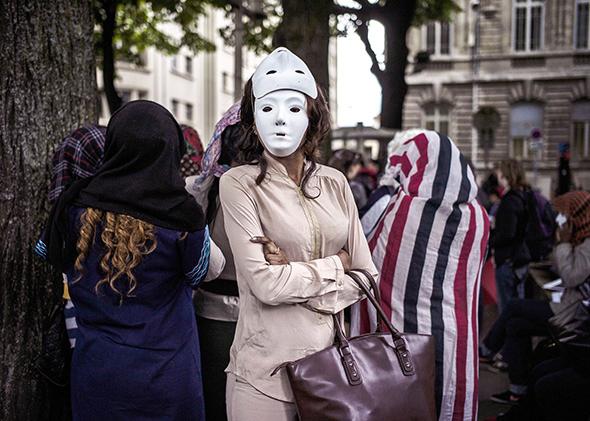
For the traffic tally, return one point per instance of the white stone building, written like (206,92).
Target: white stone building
(197,89)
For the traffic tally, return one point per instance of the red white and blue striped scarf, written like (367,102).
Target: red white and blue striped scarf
(429,246)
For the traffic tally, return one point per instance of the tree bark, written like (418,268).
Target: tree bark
(48,88)
(108,55)
(397,17)
(305,30)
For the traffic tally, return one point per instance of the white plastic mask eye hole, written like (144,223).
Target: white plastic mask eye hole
(267,109)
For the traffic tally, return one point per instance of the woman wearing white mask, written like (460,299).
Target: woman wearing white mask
(309,212)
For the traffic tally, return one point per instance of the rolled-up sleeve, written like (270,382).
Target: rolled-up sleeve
(296,282)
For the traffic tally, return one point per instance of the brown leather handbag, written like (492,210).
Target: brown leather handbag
(380,376)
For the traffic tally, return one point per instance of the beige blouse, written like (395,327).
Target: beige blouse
(278,321)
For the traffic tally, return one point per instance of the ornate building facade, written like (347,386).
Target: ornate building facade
(522,67)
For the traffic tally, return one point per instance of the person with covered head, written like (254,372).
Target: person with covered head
(133,243)
(217,302)
(308,210)
(190,164)
(429,246)
(78,156)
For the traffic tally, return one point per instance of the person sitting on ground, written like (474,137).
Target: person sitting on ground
(524,318)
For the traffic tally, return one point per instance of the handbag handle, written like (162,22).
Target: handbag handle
(376,294)
(401,350)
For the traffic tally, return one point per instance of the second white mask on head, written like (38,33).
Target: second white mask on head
(281,121)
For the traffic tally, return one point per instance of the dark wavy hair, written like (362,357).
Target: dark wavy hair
(230,141)
(251,148)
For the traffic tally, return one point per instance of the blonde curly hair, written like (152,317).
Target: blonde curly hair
(126,240)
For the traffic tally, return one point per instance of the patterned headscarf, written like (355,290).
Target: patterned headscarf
(576,207)
(190,164)
(78,156)
(199,187)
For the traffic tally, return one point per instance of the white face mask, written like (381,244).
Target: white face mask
(281,121)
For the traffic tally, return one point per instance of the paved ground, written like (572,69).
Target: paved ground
(490,382)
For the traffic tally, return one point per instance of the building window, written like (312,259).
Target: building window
(527,28)
(436,117)
(524,118)
(437,38)
(174,63)
(175,107)
(582,26)
(580,147)
(189,65)
(189,112)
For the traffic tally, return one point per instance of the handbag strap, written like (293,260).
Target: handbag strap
(401,349)
(376,294)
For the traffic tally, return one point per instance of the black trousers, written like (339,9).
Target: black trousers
(557,391)
(512,332)
(215,339)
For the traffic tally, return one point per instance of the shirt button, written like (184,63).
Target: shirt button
(339,283)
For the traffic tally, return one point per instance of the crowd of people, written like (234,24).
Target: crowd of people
(192,277)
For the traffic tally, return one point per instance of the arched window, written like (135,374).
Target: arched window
(580,147)
(524,117)
(436,117)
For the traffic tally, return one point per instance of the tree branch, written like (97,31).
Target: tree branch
(343,10)
(366,12)
(363,32)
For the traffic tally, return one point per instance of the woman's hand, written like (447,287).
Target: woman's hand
(564,234)
(345,259)
(272,253)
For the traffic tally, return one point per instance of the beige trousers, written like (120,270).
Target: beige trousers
(245,403)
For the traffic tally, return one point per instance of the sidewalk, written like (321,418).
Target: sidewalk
(490,382)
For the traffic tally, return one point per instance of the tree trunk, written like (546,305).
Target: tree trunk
(108,55)
(399,16)
(48,81)
(305,30)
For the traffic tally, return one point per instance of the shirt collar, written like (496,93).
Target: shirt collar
(274,166)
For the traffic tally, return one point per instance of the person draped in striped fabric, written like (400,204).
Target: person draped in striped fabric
(429,246)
